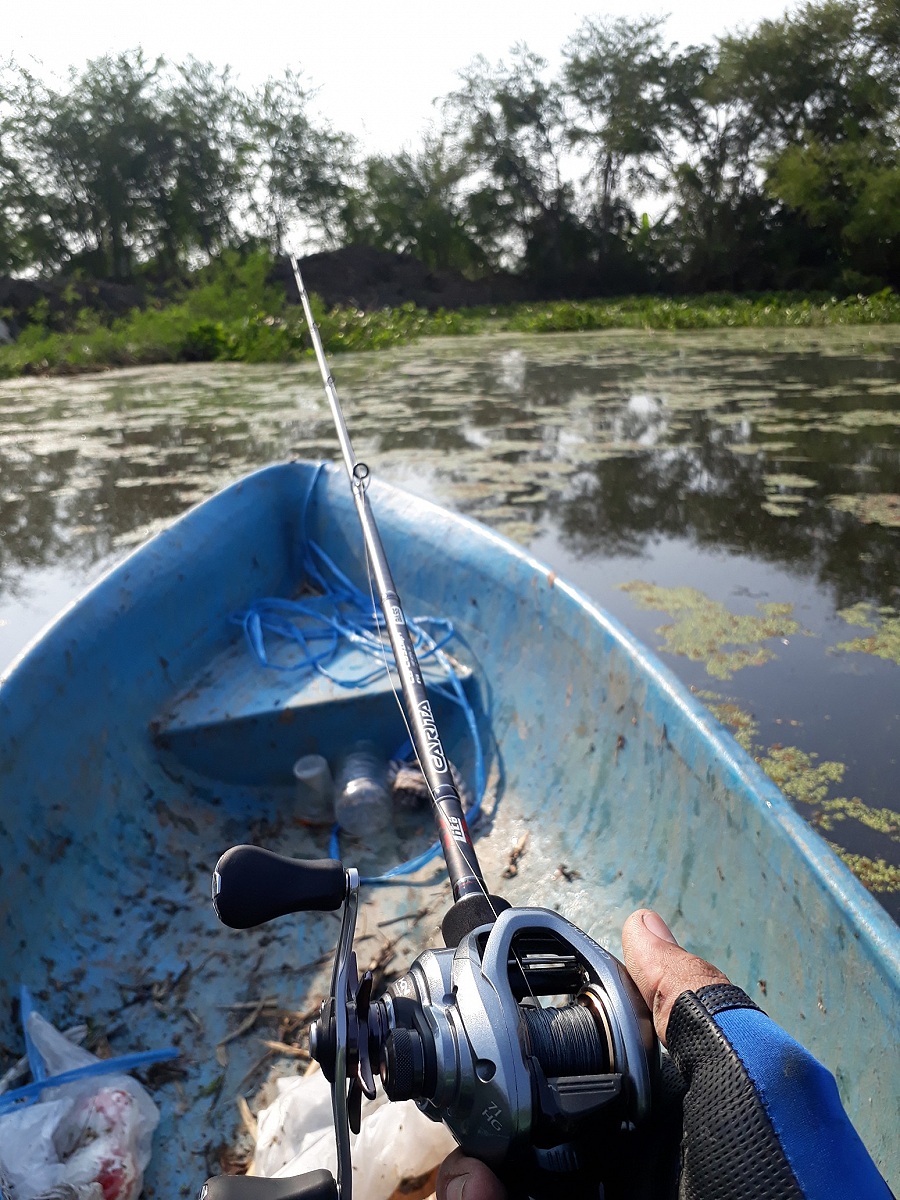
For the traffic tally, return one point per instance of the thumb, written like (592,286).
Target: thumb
(462,1178)
(659,966)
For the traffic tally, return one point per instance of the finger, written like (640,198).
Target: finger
(461,1178)
(659,966)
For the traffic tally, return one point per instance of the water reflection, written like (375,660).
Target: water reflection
(755,466)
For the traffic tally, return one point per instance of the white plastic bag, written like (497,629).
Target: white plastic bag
(88,1140)
(395,1145)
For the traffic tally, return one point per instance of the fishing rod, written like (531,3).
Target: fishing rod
(554,1097)
(467,881)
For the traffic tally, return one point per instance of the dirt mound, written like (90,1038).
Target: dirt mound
(367,278)
(61,300)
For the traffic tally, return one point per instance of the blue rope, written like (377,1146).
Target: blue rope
(30,1092)
(343,613)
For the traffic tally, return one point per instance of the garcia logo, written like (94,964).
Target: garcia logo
(435,749)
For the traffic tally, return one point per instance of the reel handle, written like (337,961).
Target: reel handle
(314,1185)
(251,885)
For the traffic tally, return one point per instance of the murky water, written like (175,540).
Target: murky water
(744,485)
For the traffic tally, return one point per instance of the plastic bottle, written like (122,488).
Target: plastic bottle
(315,787)
(362,803)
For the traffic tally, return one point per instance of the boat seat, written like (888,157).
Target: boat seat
(243,723)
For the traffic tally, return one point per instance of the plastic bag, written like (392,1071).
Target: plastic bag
(396,1144)
(85,1140)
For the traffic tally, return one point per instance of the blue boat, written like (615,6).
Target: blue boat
(141,737)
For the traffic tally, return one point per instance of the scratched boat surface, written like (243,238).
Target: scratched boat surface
(140,740)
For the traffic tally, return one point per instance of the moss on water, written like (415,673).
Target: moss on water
(880,508)
(873,873)
(806,781)
(883,642)
(882,820)
(705,628)
(743,725)
(798,774)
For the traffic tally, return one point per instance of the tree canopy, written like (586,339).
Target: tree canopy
(766,159)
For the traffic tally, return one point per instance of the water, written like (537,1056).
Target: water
(752,467)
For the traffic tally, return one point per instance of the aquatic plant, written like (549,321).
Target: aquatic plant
(705,627)
(234,315)
(806,781)
(884,641)
(882,508)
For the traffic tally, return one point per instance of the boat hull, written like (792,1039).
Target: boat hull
(630,792)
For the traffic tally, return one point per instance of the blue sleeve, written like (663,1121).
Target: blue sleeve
(762,1118)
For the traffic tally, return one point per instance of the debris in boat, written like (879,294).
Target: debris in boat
(512,867)
(414,918)
(409,789)
(248,1120)
(398,1145)
(248,1022)
(96,1130)
(285,1048)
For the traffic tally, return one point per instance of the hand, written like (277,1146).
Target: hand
(662,971)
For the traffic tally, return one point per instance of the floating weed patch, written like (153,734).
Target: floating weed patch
(705,628)
(806,781)
(743,725)
(798,774)
(883,642)
(873,873)
(782,499)
(788,481)
(881,508)
(781,506)
(882,820)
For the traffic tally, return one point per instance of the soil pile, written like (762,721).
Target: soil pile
(365,278)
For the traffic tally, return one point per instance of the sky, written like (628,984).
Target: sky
(378,66)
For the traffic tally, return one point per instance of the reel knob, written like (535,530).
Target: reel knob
(314,1185)
(251,885)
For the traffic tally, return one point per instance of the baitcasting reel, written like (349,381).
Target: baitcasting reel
(548,1095)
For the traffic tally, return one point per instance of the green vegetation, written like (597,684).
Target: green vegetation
(773,152)
(704,628)
(807,781)
(231,313)
(884,641)
(713,311)
(233,316)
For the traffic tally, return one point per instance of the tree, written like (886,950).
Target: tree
(414,203)
(511,123)
(131,162)
(820,90)
(301,172)
(617,72)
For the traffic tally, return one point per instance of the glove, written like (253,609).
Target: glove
(762,1119)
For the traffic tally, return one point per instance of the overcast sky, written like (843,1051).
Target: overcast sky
(378,65)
